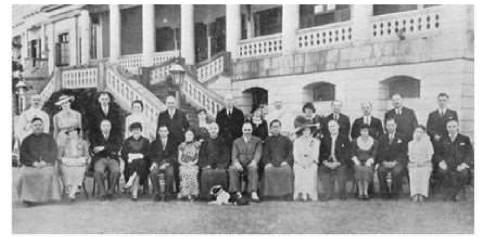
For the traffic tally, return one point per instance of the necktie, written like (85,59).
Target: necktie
(366,120)
(164,144)
(398,111)
(335,117)
(391,138)
(332,151)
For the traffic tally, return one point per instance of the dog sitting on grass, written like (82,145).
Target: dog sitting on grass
(222,197)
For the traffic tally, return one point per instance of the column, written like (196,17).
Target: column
(74,43)
(114,32)
(148,34)
(360,16)
(85,36)
(290,24)
(233,29)
(187,46)
(24,50)
(250,22)
(42,41)
(51,48)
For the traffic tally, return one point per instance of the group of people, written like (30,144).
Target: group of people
(250,155)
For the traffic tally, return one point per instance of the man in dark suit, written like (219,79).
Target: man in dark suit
(405,118)
(391,158)
(246,153)
(175,120)
(163,154)
(230,120)
(437,121)
(342,120)
(335,161)
(375,128)
(105,146)
(455,160)
(105,109)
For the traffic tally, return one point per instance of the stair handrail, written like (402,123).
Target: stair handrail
(218,63)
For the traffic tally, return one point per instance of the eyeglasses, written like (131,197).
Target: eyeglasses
(247,130)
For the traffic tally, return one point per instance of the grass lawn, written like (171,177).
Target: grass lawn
(145,216)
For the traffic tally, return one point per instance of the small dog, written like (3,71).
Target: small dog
(222,197)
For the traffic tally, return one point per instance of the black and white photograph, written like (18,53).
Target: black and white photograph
(236,118)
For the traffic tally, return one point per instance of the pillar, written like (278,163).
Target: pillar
(187,44)
(233,29)
(290,24)
(85,36)
(148,34)
(114,32)
(51,48)
(24,50)
(360,15)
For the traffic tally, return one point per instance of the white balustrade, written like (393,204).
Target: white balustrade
(261,46)
(159,74)
(80,78)
(161,57)
(48,90)
(406,23)
(131,63)
(211,69)
(197,94)
(324,36)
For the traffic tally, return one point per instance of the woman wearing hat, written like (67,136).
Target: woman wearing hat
(66,119)
(305,155)
(74,158)
(364,152)
(309,114)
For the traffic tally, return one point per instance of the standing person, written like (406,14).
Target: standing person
(392,158)
(375,127)
(66,119)
(309,114)
(364,150)
(420,152)
(148,131)
(38,182)
(437,121)
(35,111)
(405,118)
(246,154)
(74,158)
(454,162)
(214,158)
(305,155)
(230,120)
(135,152)
(105,110)
(260,126)
(281,114)
(175,120)
(342,120)
(335,159)
(163,154)
(200,129)
(105,146)
(278,159)
(188,159)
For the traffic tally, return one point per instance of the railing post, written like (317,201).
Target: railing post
(290,24)
(360,16)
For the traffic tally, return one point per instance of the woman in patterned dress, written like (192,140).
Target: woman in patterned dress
(188,153)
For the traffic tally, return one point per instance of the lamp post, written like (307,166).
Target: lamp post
(21,88)
(178,74)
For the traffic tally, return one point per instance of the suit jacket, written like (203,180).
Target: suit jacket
(162,155)
(176,125)
(96,115)
(437,125)
(343,121)
(396,150)
(112,146)
(457,152)
(343,151)
(230,126)
(406,121)
(375,128)
(246,152)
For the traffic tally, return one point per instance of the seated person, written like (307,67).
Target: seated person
(38,182)
(162,154)
(278,159)
(335,160)
(454,161)
(420,151)
(364,149)
(392,158)
(213,161)
(188,170)
(105,147)
(246,153)
(74,158)
(135,155)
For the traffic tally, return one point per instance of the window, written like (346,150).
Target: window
(387,9)
(34,50)
(323,14)
(322,91)
(63,50)
(406,86)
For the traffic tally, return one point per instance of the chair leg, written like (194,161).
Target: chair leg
(93,188)
(84,189)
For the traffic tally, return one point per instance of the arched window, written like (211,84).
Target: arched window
(406,86)
(322,91)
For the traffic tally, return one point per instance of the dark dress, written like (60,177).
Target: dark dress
(277,180)
(142,146)
(363,172)
(260,130)
(214,153)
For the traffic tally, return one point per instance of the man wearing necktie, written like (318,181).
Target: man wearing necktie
(342,120)
(437,121)
(105,109)
(375,127)
(175,120)
(405,118)
(230,120)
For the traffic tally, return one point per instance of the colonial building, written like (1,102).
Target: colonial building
(259,53)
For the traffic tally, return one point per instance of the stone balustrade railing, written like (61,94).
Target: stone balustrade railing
(260,46)
(76,78)
(405,24)
(48,89)
(324,36)
(162,57)
(131,63)
(159,74)
(198,95)
(213,67)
